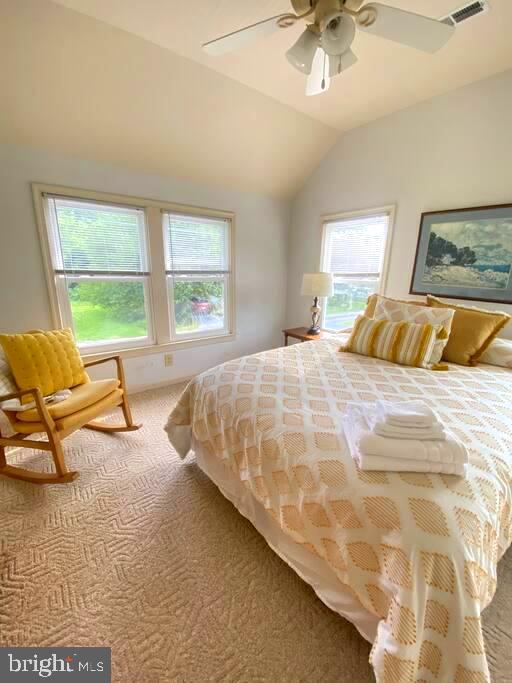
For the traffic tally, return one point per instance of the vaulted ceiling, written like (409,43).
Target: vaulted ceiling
(81,87)
(388,77)
(125,81)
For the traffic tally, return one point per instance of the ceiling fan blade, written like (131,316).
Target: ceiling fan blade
(341,63)
(318,80)
(404,27)
(237,39)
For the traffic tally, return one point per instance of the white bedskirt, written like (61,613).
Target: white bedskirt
(310,568)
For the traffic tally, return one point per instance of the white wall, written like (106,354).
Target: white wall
(451,152)
(454,151)
(74,85)
(261,237)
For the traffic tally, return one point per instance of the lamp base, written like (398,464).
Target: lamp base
(315,317)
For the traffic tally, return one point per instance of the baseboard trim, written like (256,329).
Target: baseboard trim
(159,385)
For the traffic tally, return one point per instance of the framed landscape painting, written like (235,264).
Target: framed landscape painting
(465,254)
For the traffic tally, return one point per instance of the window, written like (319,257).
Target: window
(101,270)
(354,250)
(197,263)
(121,281)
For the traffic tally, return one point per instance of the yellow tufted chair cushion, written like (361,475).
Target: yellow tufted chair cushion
(47,360)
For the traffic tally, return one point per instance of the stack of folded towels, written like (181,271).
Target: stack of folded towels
(402,437)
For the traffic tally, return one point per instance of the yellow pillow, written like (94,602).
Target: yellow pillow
(401,342)
(473,329)
(47,360)
(373,300)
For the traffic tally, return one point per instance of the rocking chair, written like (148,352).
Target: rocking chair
(87,401)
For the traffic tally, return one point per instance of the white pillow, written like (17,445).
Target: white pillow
(499,352)
(7,384)
(396,311)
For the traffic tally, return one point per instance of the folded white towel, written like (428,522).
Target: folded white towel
(428,456)
(412,413)
(375,462)
(449,450)
(433,433)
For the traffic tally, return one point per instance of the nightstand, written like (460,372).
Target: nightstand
(300,333)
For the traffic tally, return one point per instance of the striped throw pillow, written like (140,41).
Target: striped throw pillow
(398,342)
(396,311)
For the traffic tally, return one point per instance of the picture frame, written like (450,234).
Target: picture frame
(465,254)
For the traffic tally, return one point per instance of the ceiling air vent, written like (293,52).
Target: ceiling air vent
(466,12)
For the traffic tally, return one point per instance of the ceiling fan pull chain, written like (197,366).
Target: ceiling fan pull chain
(323,75)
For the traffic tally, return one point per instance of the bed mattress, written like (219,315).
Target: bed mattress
(409,558)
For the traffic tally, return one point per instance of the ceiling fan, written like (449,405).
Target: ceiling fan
(323,50)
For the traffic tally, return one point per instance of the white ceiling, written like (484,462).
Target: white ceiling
(387,78)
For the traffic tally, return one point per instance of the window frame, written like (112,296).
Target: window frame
(160,337)
(86,348)
(390,211)
(225,279)
(197,276)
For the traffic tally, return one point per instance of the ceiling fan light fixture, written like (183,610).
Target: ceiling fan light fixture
(338,34)
(324,49)
(301,54)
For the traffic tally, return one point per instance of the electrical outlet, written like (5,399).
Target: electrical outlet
(168,360)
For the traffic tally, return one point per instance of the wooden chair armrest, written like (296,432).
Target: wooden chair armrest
(120,369)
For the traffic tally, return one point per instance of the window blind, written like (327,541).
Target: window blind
(91,238)
(196,244)
(355,246)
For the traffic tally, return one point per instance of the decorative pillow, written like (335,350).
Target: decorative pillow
(47,360)
(402,342)
(473,329)
(499,352)
(373,299)
(389,309)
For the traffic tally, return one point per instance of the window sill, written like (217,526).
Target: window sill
(344,329)
(136,351)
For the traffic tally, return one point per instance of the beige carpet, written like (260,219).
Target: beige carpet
(143,554)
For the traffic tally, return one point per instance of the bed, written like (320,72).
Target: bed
(409,559)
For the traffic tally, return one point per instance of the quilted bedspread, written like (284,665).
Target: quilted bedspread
(419,551)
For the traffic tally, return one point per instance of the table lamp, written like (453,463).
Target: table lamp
(316,285)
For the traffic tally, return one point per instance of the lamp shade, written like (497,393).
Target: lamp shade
(301,54)
(317,284)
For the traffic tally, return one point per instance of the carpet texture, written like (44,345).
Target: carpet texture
(143,554)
